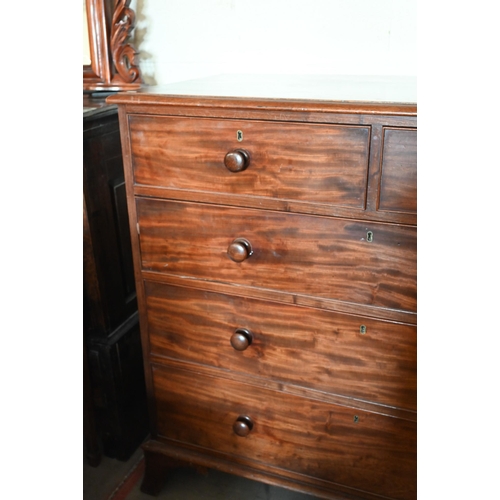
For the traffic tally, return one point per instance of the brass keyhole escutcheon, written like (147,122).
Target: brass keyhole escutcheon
(239,135)
(362,329)
(356,419)
(369,236)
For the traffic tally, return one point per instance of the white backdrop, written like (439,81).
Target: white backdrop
(184,39)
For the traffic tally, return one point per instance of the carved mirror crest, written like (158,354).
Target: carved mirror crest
(110,62)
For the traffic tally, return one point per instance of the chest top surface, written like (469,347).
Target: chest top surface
(361,93)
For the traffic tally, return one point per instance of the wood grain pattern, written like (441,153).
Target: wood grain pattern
(318,256)
(304,346)
(326,304)
(332,406)
(327,164)
(363,450)
(398,184)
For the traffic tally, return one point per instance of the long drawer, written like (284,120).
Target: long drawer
(326,164)
(351,447)
(352,261)
(347,355)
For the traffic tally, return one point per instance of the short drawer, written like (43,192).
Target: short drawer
(326,164)
(398,184)
(353,261)
(337,353)
(351,447)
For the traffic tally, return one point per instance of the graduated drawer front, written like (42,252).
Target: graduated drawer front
(351,447)
(304,346)
(302,254)
(326,164)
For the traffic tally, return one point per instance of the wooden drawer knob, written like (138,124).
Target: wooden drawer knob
(242,426)
(239,250)
(241,339)
(237,160)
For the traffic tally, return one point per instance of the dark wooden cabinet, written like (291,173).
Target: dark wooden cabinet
(115,388)
(275,253)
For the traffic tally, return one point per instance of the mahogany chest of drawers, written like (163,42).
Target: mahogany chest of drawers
(274,244)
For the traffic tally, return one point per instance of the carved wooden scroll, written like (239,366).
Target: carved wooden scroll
(113,66)
(123,53)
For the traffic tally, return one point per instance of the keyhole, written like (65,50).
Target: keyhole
(369,236)
(239,135)
(356,419)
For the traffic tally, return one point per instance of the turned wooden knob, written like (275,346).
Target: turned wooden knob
(237,160)
(242,426)
(239,250)
(241,339)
